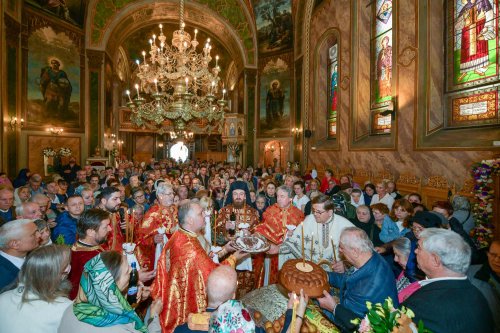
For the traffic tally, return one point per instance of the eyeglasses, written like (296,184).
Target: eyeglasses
(319,212)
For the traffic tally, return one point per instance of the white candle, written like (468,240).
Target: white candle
(128,94)
(144,56)
(156,85)
(137,88)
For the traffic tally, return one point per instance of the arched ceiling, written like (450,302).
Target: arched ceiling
(109,22)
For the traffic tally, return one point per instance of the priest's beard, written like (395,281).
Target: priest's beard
(238,204)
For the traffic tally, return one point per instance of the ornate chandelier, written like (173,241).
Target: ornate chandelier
(177,84)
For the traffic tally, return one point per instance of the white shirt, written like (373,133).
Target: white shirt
(16,261)
(301,202)
(387,199)
(36,316)
(427,281)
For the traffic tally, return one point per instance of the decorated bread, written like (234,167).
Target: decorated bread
(296,275)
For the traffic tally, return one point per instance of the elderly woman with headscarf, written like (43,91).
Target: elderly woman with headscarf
(101,305)
(365,221)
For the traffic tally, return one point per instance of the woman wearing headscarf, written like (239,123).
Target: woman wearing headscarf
(365,220)
(101,305)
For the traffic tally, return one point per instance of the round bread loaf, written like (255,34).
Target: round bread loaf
(313,279)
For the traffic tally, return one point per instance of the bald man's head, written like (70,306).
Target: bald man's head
(221,286)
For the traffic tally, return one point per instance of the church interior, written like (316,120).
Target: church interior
(347,101)
(403,91)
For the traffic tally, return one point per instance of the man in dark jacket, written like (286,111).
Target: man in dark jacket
(447,302)
(369,280)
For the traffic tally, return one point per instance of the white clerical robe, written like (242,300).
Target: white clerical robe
(321,234)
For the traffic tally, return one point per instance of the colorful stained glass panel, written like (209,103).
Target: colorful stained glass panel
(333,91)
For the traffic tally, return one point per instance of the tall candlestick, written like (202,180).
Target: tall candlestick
(156,85)
(126,226)
(302,234)
(333,247)
(215,228)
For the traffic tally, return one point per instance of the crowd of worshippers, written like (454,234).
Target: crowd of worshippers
(62,267)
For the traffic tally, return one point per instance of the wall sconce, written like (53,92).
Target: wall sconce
(55,130)
(160,145)
(296,131)
(14,122)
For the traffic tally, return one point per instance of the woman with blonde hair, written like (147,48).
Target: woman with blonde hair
(40,298)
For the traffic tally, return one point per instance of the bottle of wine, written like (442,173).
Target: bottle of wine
(232,219)
(132,285)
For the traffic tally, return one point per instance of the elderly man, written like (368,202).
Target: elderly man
(183,269)
(159,222)
(7,211)
(35,184)
(17,239)
(221,287)
(447,302)
(65,230)
(323,227)
(370,279)
(486,278)
(43,203)
(274,227)
(92,228)
(29,210)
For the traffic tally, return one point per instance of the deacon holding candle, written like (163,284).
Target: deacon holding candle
(323,226)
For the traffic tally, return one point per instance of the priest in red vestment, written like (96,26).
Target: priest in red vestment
(92,229)
(274,228)
(183,269)
(109,201)
(163,214)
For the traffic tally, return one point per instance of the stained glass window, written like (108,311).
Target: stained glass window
(382,63)
(473,63)
(332,91)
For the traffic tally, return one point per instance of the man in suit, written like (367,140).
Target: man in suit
(369,280)
(204,177)
(17,239)
(447,301)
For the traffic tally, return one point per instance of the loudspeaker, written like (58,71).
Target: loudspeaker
(308,133)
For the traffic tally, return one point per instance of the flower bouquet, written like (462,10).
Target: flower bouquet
(49,152)
(384,318)
(483,209)
(65,151)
